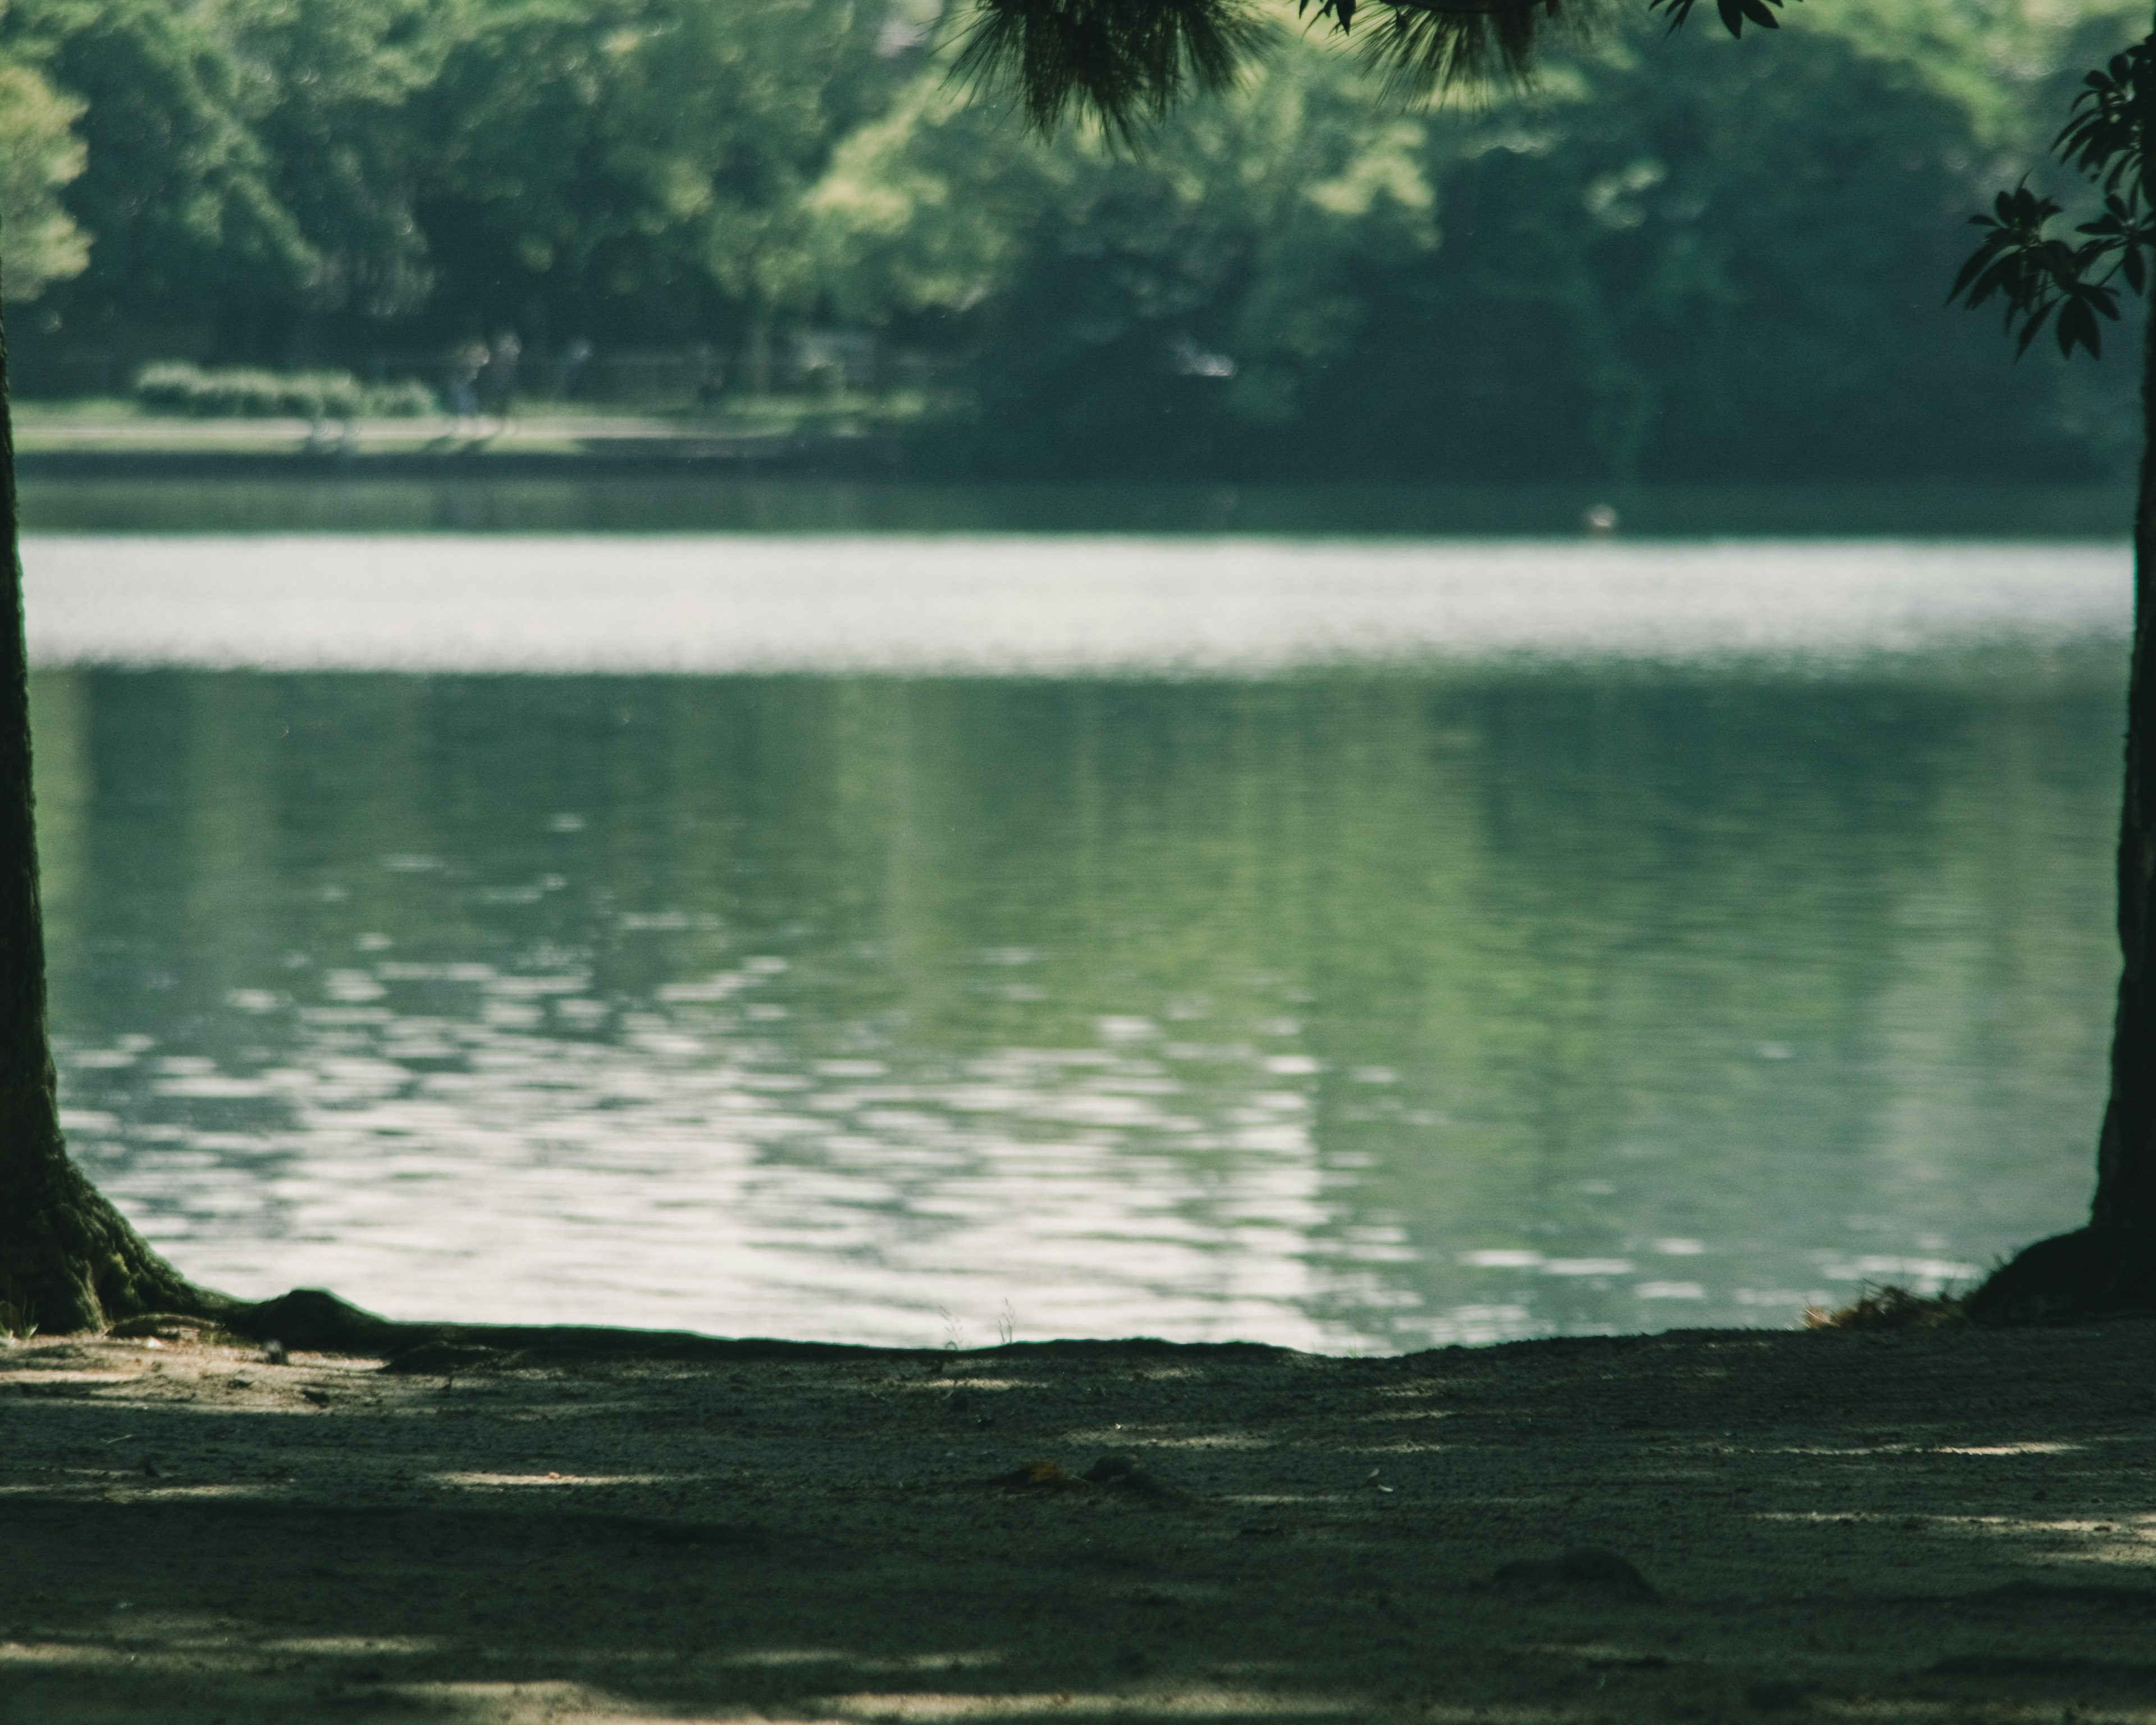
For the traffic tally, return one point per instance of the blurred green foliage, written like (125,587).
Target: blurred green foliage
(177,196)
(38,155)
(176,387)
(1676,258)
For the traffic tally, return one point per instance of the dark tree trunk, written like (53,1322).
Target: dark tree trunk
(2110,1265)
(68,1259)
(2126,1157)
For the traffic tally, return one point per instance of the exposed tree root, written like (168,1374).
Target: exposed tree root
(2091,1272)
(315,1321)
(69,1262)
(320,1321)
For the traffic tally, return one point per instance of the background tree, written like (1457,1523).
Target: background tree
(640,159)
(1677,248)
(1677,251)
(175,192)
(40,154)
(331,90)
(1132,315)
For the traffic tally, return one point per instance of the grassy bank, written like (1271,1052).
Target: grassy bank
(114,427)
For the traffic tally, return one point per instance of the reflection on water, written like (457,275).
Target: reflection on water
(1347,1008)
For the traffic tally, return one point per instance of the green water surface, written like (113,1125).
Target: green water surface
(1352,1009)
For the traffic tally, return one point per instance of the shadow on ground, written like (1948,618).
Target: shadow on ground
(1931,1525)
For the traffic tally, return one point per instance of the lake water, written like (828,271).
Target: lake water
(908,938)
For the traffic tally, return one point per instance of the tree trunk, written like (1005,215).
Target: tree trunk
(2126,1157)
(2110,1265)
(68,1259)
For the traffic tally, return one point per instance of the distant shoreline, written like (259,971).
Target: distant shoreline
(633,458)
(794,484)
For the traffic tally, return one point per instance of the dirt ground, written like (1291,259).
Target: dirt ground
(1919,1525)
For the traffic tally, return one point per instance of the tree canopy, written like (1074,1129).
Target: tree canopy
(40,154)
(1671,258)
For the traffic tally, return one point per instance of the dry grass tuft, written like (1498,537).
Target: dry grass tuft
(1889,1308)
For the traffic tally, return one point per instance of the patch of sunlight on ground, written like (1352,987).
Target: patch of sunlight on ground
(2009,1450)
(1213,1440)
(353,1647)
(1869,1708)
(776,1658)
(1163,1704)
(490,1480)
(40,1375)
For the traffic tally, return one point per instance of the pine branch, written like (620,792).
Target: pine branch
(1128,63)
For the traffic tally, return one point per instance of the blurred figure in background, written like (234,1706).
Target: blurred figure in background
(497,380)
(574,358)
(707,378)
(467,360)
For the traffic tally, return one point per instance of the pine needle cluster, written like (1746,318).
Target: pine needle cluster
(1128,63)
(1125,62)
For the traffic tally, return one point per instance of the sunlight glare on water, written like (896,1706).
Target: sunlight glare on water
(1011,606)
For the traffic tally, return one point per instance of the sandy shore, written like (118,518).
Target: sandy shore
(1920,1525)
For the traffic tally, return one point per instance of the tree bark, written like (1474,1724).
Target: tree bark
(2110,1265)
(2126,1155)
(68,1261)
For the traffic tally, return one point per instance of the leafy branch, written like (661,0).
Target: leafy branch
(1735,13)
(2042,278)
(1430,45)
